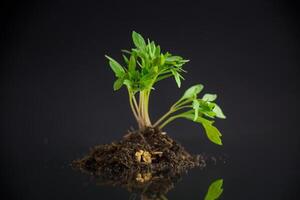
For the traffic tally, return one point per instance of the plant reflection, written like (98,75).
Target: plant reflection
(215,190)
(147,185)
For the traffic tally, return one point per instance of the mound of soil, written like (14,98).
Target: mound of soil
(148,150)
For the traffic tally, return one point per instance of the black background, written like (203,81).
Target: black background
(57,97)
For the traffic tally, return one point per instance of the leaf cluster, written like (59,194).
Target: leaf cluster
(145,65)
(200,110)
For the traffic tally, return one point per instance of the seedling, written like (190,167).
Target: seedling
(143,67)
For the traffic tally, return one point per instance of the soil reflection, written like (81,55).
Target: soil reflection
(148,185)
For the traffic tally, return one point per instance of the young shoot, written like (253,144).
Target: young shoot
(144,66)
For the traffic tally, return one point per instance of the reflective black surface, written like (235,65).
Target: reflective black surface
(57,98)
(53,178)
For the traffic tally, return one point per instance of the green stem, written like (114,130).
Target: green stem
(163,117)
(133,109)
(141,105)
(146,107)
(169,120)
(175,107)
(180,103)
(136,105)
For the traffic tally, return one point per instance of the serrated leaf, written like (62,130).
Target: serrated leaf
(118,83)
(209,97)
(218,111)
(215,190)
(138,40)
(192,91)
(116,67)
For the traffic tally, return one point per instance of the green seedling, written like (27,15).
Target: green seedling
(143,67)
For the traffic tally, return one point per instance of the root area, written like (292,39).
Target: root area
(150,150)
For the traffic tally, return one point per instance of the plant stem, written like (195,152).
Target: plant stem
(133,109)
(169,120)
(146,108)
(136,105)
(175,107)
(141,105)
(163,117)
(180,103)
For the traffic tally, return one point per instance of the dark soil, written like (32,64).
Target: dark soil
(154,188)
(148,150)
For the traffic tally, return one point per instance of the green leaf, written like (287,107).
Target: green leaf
(215,190)
(212,132)
(177,77)
(209,114)
(138,40)
(162,59)
(153,48)
(157,50)
(128,83)
(125,51)
(116,67)
(125,59)
(218,111)
(118,83)
(173,58)
(196,105)
(192,91)
(155,69)
(209,97)
(162,77)
(131,64)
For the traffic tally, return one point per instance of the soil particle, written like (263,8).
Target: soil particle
(147,185)
(138,151)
